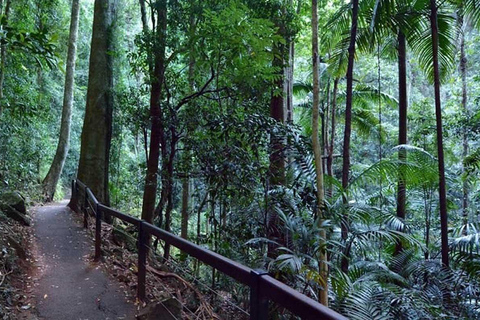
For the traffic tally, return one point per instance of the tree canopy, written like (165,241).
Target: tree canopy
(333,143)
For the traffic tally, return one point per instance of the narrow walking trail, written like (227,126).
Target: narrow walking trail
(70,286)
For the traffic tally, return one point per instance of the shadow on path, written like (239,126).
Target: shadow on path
(70,287)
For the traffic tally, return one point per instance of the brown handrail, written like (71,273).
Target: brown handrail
(262,286)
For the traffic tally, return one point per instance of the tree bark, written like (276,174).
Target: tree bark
(317,152)
(150,191)
(348,126)
(402,130)
(438,114)
(93,168)
(51,180)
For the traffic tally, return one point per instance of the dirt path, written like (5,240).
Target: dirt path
(70,287)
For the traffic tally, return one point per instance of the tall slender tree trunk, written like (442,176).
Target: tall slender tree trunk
(348,127)
(402,129)
(317,152)
(277,157)
(3,53)
(289,70)
(463,72)
(150,191)
(332,136)
(187,155)
(438,114)
(143,13)
(185,207)
(97,126)
(167,182)
(277,160)
(51,180)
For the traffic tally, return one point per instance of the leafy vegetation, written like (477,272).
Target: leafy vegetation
(211,106)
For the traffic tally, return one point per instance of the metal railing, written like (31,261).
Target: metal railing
(263,288)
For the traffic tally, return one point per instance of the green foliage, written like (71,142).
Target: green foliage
(220,78)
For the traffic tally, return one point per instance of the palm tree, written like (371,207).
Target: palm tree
(438,113)
(348,122)
(317,151)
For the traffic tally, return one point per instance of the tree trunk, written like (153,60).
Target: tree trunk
(51,180)
(167,183)
(186,154)
(277,158)
(463,72)
(97,126)
(332,136)
(317,152)
(427,209)
(3,54)
(402,129)
(185,198)
(289,73)
(143,12)
(150,191)
(438,114)
(348,126)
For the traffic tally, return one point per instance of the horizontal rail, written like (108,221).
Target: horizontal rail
(231,268)
(119,215)
(81,184)
(92,197)
(262,286)
(295,301)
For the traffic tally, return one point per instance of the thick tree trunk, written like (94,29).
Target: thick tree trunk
(317,152)
(150,191)
(51,180)
(402,129)
(97,126)
(348,125)
(441,161)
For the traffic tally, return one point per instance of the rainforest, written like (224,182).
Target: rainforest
(334,144)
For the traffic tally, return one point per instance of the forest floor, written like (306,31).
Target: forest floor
(70,285)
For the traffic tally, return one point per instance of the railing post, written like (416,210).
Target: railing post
(85,206)
(98,232)
(73,200)
(142,261)
(258,303)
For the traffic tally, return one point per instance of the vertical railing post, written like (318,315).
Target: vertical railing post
(73,199)
(98,232)
(142,261)
(258,303)
(85,206)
